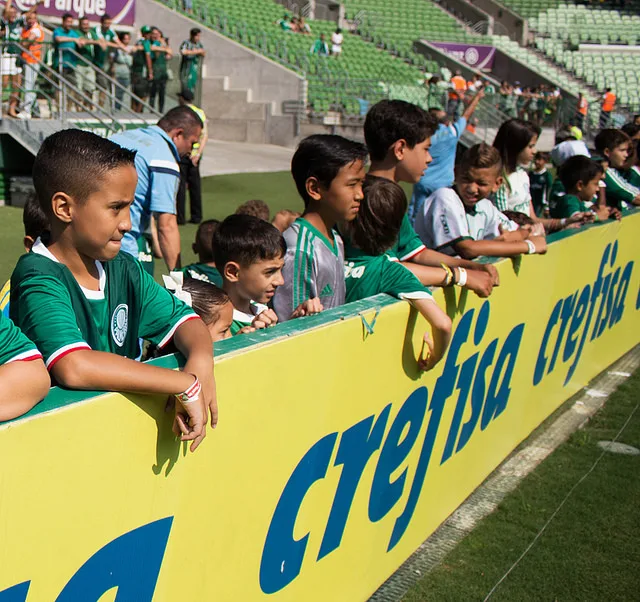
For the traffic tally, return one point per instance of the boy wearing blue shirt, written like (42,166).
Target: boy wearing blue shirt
(86,305)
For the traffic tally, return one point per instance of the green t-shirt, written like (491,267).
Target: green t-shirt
(100,56)
(88,51)
(15,346)
(59,316)
(540,186)
(633,176)
(241,319)
(620,192)
(159,60)
(12,33)
(204,272)
(566,205)
(139,63)
(366,276)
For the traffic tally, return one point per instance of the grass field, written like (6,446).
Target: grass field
(221,195)
(588,552)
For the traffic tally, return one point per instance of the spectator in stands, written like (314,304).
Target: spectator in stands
(190,167)
(192,52)
(336,42)
(141,69)
(508,100)
(284,218)
(373,232)
(398,135)
(99,302)
(205,269)
(456,95)
(615,145)
(463,221)
(320,47)
(581,111)
(249,254)
(24,378)
(108,41)
(85,73)
(65,38)
(475,83)
(285,23)
(35,224)
(187,5)
(436,98)
(159,149)
(608,104)
(328,172)
(443,153)
(303,26)
(160,53)
(540,181)
(122,60)
(255,207)
(32,39)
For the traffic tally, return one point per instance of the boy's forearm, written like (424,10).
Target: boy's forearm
(471,249)
(24,384)
(429,257)
(428,275)
(101,371)
(194,342)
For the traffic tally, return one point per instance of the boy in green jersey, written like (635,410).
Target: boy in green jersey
(580,177)
(540,182)
(328,171)
(398,136)
(615,146)
(249,254)
(86,305)
(205,269)
(373,232)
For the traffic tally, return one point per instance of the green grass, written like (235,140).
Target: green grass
(220,197)
(588,552)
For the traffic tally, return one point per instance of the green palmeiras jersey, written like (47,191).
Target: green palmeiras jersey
(313,267)
(366,276)
(444,220)
(15,346)
(60,316)
(565,205)
(620,192)
(242,319)
(204,272)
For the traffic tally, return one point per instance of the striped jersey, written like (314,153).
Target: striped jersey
(620,192)
(515,193)
(313,267)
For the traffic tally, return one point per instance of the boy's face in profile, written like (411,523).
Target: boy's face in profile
(258,281)
(618,155)
(475,184)
(539,163)
(100,222)
(412,161)
(344,194)
(586,192)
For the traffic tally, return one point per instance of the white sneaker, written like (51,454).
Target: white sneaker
(23,116)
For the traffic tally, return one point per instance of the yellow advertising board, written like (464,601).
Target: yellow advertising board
(334,457)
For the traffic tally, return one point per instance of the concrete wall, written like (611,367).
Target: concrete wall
(268,81)
(470,14)
(506,21)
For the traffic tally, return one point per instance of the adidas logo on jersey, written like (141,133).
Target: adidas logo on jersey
(327,291)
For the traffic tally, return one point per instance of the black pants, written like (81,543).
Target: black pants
(158,87)
(189,176)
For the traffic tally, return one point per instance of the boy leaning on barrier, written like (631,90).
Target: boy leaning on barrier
(328,171)
(463,221)
(86,305)
(398,136)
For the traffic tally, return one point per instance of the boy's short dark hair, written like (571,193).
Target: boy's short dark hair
(391,120)
(541,155)
(181,117)
(578,169)
(34,220)
(377,224)
(74,162)
(630,129)
(66,16)
(194,32)
(204,239)
(522,219)
(254,207)
(480,156)
(322,156)
(246,239)
(609,139)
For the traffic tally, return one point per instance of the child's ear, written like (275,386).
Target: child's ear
(579,185)
(312,187)
(28,241)
(606,152)
(62,207)
(497,184)
(398,148)
(231,271)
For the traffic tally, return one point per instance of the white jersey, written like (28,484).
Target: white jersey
(516,195)
(444,221)
(336,43)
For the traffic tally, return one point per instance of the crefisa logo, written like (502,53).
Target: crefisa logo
(482,383)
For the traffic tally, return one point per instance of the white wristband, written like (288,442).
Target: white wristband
(563,222)
(191,394)
(532,247)
(462,277)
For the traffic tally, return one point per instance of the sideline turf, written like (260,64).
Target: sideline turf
(589,551)
(221,195)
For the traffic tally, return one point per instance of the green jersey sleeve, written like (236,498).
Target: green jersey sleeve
(567,205)
(409,244)
(15,346)
(400,282)
(162,313)
(618,190)
(42,308)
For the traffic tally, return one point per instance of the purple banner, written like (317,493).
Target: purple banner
(474,55)
(121,11)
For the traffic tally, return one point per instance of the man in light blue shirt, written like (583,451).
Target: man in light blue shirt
(443,150)
(159,149)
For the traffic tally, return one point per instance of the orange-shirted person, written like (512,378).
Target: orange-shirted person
(583,109)
(31,39)
(456,94)
(608,104)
